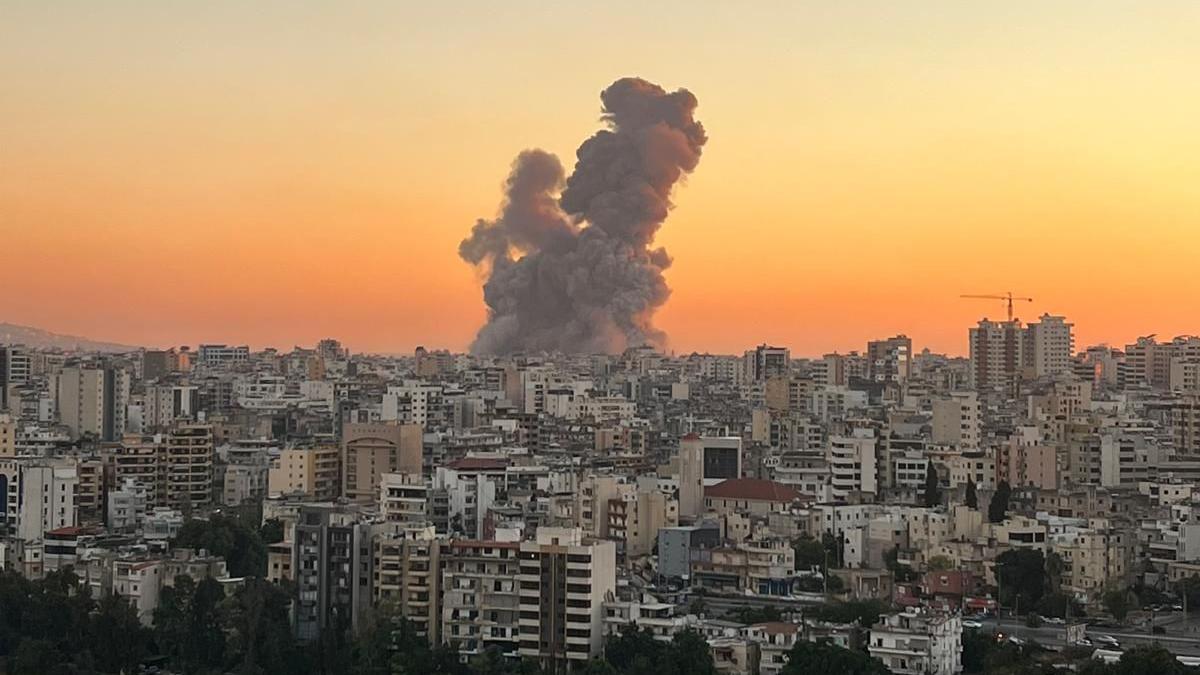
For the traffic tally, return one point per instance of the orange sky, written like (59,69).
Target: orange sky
(262,173)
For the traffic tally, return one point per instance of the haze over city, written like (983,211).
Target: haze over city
(272,174)
(398,337)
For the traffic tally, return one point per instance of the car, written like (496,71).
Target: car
(1085,642)
(1013,639)
(1106,640)
(971,623)
(1177,608)
(1053,620)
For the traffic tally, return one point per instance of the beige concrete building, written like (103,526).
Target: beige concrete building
(563,581)
(408,573)
(480,600)
(314,472)
(8,436)
(187,468)
(956,420)
(370,450)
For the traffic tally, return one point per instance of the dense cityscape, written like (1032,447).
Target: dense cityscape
(220,509)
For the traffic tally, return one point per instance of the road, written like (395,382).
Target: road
(1055,636)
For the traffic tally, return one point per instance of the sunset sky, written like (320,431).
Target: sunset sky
(273,173)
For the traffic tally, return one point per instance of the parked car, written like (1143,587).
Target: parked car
(971,623)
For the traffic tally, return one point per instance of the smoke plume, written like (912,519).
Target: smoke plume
(568,262)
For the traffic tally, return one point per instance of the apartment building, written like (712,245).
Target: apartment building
(915,642)
(372,449)
(480,599)
(314,472)
(187,466)
(564,581)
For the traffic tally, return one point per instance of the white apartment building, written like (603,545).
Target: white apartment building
(918,643)
(1049,345)
(853,464)
(39,495)
(404,498)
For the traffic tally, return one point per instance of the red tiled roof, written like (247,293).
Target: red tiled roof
(752,489)
(691,437)
(478,464)
(67,531)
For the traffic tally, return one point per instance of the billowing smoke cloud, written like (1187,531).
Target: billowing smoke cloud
(569,262)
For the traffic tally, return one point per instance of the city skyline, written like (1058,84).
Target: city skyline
(279,174)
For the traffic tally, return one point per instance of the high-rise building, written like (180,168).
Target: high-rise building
(93,400)
(564,580)
(370,450)
(1049,346)
(15,368)
(764,361)
(332,563)
(8,436)
(691,476)
(480,603)
(187,467)
(997,355)
(889,360)
(39,496)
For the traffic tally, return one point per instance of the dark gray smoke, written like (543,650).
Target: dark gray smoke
(569,261)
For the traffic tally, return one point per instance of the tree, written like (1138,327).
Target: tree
(1116,601)
(863,612)
(187,624)
(637,652)
(972,499)
(810,553)
(933,490)
(229,537)
(998,507)
(1021,577)
(260,632)
(119,640)
(806,658)
(755,614)
(271,531)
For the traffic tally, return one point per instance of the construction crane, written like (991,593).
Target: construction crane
(1007,297)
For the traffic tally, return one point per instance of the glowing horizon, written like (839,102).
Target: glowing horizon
(273,175)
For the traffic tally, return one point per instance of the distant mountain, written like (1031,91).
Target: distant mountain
(42,339)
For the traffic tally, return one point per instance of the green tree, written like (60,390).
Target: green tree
(1117,602)
(810,553)
(972,499)
(187,624)
(229,537)
(271,531)
(806,658)
(863,612)
(118,639)
(258,624)
(933,489)
(1021,577)
(998,507)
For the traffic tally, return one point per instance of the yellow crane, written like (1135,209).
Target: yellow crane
(1007,297)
